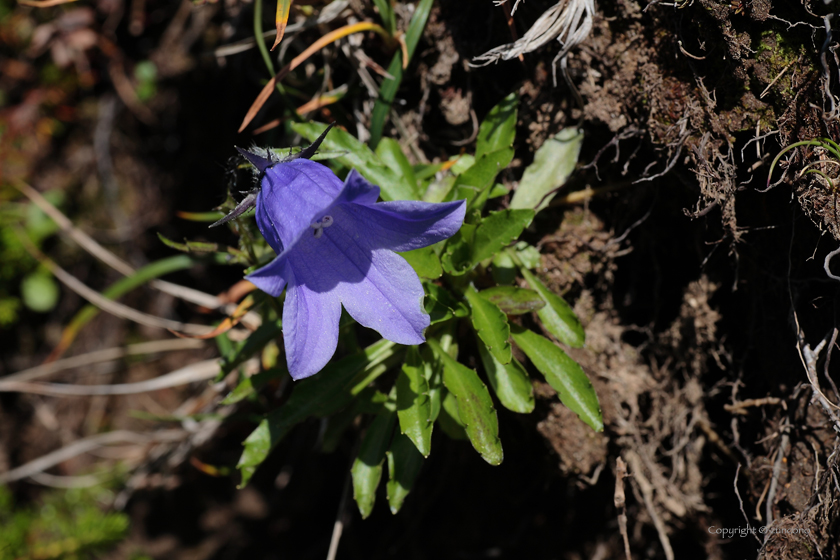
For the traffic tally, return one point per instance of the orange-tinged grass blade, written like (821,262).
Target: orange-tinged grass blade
(404,50)
(308,107)
(281,20)
(241,310)
(330,37)
(237,291)
(317,103)
(199,216)
(267,126)
(207,469)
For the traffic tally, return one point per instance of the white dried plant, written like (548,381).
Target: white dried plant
(568,21)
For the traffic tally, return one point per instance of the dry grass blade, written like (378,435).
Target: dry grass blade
(230,322)
(110,306)
(100,356)
(515,5)
(568,21)
(200,371)
(91,246)
(84,446)
(330,37)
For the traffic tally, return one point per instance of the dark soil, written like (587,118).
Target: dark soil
(703,293)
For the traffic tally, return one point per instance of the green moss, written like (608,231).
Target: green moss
(67,524)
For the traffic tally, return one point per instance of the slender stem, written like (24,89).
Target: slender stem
(258,36)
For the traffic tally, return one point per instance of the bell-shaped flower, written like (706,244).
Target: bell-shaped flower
(336,246)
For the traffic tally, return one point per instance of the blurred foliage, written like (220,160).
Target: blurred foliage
(67,524)
(23,282)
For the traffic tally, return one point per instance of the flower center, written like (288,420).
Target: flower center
(325,222)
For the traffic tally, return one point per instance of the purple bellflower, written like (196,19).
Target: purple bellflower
(336,246)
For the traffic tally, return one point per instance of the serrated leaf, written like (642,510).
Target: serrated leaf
(513,300)
(359,157)
(497,231)
(424,261)
(557,316)
(457,255)
(323,394)
(491,325)
(498,129)
(563,374)
(390,153)
(510,382)
(404,464)
(367,468)
(414,407)
(553,163)
(475,406)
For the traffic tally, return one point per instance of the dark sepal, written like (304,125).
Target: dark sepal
(310,150)
(247,203)
(259,162)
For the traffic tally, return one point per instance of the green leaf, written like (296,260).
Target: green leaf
(557,316)
(553,163)
(504,269)
(414,407)
(510,382)
(228,254)
(404,464)
(39,291)
(446,299)
(386,12)
(499,127)
(478,179)
(423,171)
(528,255)
(388,90)
(497,191)
(563,374)
(448,419)
(438,191)
(250,385)
(265,333)
(461,163)
(367,468)
(496,231)
(424,261)
(320,395)
(125,285)
(369,401)
(513,300)
(475,406)
(491,325)
(390,153)
(457,255)
(359,157)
